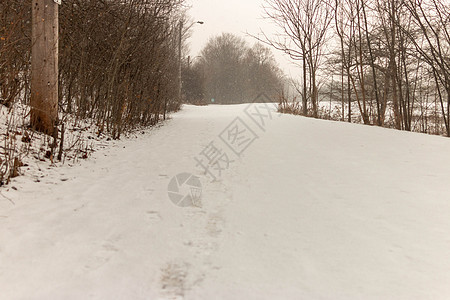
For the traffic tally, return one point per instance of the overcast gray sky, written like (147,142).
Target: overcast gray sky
(234,16)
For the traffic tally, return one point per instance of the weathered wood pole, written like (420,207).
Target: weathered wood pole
(44,66)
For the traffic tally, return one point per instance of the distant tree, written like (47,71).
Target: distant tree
(193,83)
(261,72)
(221,60)
(232,72)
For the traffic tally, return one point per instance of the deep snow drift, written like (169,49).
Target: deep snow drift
(300,209)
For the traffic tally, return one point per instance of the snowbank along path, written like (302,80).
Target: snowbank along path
(309,210)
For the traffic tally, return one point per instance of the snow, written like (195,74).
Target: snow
(33,149)
(312,209)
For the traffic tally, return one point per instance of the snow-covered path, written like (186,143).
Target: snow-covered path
(311,210)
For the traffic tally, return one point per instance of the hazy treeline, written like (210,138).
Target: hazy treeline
(390,59)
(230,71)
(117,59)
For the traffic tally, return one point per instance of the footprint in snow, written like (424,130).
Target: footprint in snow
(215,225)
(173,279)
(154,216)
(101,257)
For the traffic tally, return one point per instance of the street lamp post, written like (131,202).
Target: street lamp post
(180,43)
(191,61)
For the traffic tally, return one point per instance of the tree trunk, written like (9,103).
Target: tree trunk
(304,98)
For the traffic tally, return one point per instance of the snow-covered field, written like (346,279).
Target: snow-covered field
(311,209)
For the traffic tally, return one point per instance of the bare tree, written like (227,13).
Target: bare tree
(304,25)
(432,18)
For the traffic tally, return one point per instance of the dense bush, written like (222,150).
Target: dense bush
(116,68)
(117,63)
(116,59)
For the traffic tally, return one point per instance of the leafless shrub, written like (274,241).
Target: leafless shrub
(116,69)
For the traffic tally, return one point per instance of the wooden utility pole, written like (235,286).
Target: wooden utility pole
(44,66)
